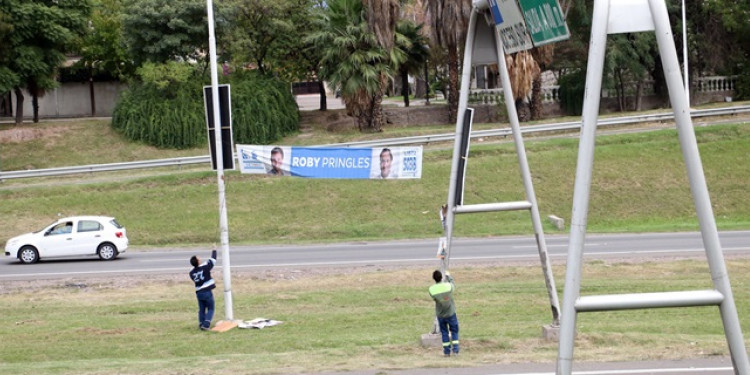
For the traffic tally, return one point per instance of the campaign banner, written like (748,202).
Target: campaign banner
(330,162)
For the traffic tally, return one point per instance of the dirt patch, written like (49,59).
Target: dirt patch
(22,134)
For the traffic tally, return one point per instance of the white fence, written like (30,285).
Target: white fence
(550,94)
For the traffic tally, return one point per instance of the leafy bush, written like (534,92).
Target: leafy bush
(742,86)
(263,108)
(572,86)
(165,108)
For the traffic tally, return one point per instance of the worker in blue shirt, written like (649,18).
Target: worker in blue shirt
(204,283)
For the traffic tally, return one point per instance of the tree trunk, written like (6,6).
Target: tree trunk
(638,96)
(522,110)
(322,91)
(419,87)
(620,86)
(453,83)
(405,87)
(7,106)
(35,106)
(376,106)
(19,105)
(93,97)
(536,105)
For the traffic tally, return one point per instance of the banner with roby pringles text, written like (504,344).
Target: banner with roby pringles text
(332,162)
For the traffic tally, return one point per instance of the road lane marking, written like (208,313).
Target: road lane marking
(338,263)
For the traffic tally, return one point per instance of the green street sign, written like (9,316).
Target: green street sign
(544,21)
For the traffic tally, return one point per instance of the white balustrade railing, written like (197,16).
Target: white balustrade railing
(550,94)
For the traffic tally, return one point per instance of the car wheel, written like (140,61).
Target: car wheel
(28,255)
(107,251)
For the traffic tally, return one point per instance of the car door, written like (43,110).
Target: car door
(57,240)
(87,237)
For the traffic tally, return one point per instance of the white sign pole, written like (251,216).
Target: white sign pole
(685,54)
(223,222)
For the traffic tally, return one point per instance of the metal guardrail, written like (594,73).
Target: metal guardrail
(190,160)
(543,128)
(422,139)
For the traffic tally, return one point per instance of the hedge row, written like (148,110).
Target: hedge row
(263,111)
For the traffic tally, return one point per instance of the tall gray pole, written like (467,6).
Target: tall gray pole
(685,53)
(585,164)
(463,102)
(223,226)
(699,188)
(528,184)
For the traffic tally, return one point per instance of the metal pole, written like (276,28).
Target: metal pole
(585,163)
(223,226)
(463,100)
(549,279)
(685,54)
(699,188)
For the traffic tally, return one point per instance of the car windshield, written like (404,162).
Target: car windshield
(116,224)
(45,227)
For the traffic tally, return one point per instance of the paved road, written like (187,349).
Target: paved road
(407,252)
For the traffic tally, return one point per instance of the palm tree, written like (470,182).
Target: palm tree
(382,17)
(448,22)
(522,69)
(410,39)
(353,61)
(543,57)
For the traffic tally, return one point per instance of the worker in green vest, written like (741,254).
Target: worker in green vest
(445,310)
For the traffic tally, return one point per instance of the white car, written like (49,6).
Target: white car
(71,237)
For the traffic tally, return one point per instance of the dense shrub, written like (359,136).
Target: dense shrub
(145,114)
(165,108)
(572,86)
(742,86)
(263,108)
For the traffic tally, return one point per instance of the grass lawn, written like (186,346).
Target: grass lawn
(340,320)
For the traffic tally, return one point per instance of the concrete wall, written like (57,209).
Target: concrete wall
(73,99)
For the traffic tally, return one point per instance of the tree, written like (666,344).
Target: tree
(631,60)
(261,29)
(103,48)
(417,53)
(163,30)
(415,11)
(522,69)
(382,17)
(353,60)
(720,40)
(448,22)
(8,78)
(43,31)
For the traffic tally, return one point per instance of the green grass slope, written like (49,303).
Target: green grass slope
(639,184)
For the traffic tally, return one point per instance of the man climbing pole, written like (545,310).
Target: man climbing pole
(445,311)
